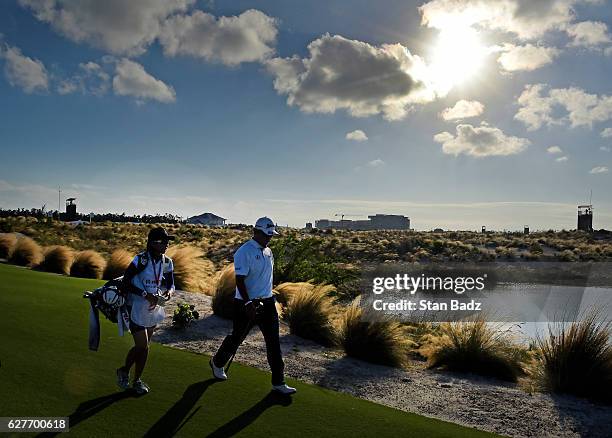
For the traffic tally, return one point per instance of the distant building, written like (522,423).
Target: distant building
(207,219)
(438,230)
(71,211)
(585,218)
(375,222)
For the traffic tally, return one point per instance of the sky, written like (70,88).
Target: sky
(455,113)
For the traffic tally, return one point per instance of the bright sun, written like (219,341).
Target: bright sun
(456,57)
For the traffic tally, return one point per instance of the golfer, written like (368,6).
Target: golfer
(146,277)
(255,304)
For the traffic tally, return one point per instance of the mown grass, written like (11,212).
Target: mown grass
(47,370)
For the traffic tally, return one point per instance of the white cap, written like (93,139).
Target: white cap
(265,225)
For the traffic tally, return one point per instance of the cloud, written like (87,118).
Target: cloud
(463,109)
(117,26)
(90,79)
(480,141)
(605,148)
(554,150)
(131,79)
(247,37)
(598,169)
(526,58)
(376,163)
(357,135)
(606,133)
(580,108)
(343,74)
(588,34)
(24,72)
(562,159)
(527,19)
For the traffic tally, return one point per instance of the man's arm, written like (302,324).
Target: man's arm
(242,287)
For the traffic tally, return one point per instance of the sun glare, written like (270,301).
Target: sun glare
(457,56)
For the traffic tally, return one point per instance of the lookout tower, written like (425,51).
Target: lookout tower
(585,218)
(71,213)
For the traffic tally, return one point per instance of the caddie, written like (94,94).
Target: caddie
(149,280)
(254,303)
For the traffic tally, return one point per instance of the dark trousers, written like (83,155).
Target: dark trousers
(268,323)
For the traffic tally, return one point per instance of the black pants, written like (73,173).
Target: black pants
(267,320)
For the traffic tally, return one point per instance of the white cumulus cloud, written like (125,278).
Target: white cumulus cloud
(24,72)
(344,74)
(589,34)
(118,26)
(579,107)
(554,150)
(526,58)
(463,109)
(480,141)
(606,133)
(376,163)
(131,79)
(599,169)
(561,159)
(527,19)
(90,79)
(357,135)
(247,37)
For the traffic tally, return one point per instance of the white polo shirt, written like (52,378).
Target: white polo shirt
(256,264)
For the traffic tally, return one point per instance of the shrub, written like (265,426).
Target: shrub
(26,253)
(7,245)
(224,292)
(284,291)
(192,271)
(577,359)
(380,342)
(57,259)
(88,264)
(476,347)
(118,262)
(309,313)
(184,314)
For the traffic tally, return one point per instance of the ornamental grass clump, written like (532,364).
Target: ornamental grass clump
(310,312)
(57,259)
(377,341)
(576,358)
(475,347)
(118,262)
(88,264)
(26,253)
(192,272)
(7,245)
(224,292)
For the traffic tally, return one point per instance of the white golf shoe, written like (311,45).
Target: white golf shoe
(284,389)
(140,387)
(218,372)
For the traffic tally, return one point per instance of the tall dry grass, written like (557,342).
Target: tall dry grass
(224,292)
(7,245)
(577,359)
(284,291)
(310,312)
(57,259)
(192,272)
(88,264)
(118,262)
(381,342)
(26,253)
(476,347)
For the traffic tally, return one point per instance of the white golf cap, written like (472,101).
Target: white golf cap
(266,225)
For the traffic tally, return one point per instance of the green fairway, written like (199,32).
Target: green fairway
(47,370)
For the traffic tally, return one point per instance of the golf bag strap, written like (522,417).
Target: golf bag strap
(94,326)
